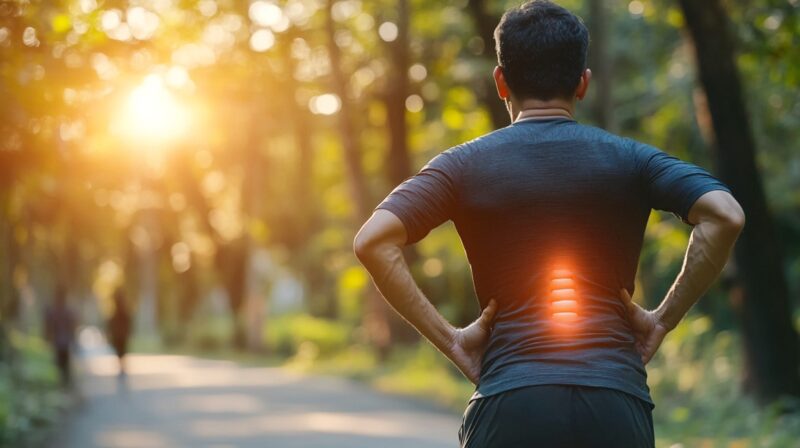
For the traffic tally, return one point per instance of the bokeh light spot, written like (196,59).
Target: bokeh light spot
(388,31)
(326,104)
(262,40)
(433,267)
(636,7)
(29,37)
(417,72)
(265,13)
(414,103)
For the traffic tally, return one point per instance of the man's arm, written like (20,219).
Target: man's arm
(718,219)
(378,246)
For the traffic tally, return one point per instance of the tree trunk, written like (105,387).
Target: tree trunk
(305,218)
(252,303)
(350,144)
(8,292)
(770,341)
(147,273)
(230,260)
(376,310)
(485,23)
(600,63)
(399,160)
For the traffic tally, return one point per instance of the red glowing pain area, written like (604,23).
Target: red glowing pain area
(563,297)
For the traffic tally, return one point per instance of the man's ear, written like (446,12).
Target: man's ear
(500,82)
(583,85)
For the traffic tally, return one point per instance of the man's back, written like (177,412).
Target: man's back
(545,199)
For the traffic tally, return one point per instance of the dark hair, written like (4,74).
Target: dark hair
(541,48)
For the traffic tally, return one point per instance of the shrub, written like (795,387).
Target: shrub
(290,334)
(30,397)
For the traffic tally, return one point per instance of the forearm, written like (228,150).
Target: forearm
(393,279)
(710,246)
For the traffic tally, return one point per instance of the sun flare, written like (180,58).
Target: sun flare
(152,113)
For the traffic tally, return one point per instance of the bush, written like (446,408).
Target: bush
(30,397)
(424,372)
(210,333)
(292,334)
(695,382)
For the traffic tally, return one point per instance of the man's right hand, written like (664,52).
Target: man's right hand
(647,327)
(469,343)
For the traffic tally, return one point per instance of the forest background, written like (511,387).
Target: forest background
(215,158)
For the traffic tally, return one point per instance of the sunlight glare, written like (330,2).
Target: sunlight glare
(153,113)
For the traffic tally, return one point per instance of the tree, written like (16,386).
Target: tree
(350,146)
(600,62)
(485,22)
(375,315)
(399,162)
(770,341)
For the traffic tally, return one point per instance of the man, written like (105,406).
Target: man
(552,215)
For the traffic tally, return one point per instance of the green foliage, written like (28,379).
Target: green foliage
(210,333)
(350,287)
(306,336)
(30,397)
(695,382)
(422,371)
(356,361)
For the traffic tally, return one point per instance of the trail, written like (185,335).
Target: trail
(184,401)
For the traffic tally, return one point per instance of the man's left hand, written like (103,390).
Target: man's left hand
(648,329)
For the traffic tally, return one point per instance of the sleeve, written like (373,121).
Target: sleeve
(427,199)
(673,185)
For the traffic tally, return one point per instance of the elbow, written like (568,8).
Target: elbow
(373,251)
(377,240)
(732,218)
(363,247)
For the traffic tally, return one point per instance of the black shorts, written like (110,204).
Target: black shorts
(554,416)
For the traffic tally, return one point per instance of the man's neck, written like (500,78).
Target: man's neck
(534,108)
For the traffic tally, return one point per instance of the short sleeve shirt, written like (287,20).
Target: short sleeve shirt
(533,199)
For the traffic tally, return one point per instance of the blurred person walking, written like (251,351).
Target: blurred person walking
(119,328)
(552,215)
(59,326)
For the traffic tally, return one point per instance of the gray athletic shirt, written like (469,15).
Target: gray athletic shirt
(544,199)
